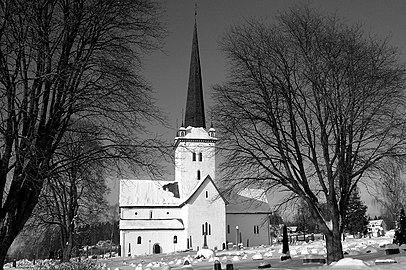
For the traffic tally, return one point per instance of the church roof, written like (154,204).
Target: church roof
(194,115)
(151,224)
(146,193)
(239,204)
(196,189)
(150,193)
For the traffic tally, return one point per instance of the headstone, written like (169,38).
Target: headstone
(263,265)
(217,265)
(229,265)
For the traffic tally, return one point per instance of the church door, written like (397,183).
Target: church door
(157,249)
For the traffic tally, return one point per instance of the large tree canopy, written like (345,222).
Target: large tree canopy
(61,61)
(311,105)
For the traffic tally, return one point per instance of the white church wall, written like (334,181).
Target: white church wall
(194,160)
(251,229)
(151,213)
(206,207)
(144,241)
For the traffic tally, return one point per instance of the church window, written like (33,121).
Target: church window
(202,229)
(198,175)
(139,240)
(135,213)
(228,228)
(193,156)
(175,239)
(150,214)
(207,194)
(200,157)
(167,213)
(205,228)
(191,244)
(256,229)
(209,229)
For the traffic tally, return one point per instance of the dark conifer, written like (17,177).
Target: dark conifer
(356,220)
(285,244)
(400,233)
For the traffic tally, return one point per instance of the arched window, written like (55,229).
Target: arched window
(175,239)
(198,175)
(200,157)
(193,156)
(139,240)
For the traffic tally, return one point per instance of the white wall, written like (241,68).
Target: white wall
(148,238)
(186,169)
(144,213)
(246,223)
(211,210)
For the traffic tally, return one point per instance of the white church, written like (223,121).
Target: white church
(189,213)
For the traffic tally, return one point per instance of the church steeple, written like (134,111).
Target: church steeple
(194,115)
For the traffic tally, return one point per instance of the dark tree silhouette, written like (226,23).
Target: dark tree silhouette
(285,244)
(400,233)
(62,61)
(311,106)
(356,220)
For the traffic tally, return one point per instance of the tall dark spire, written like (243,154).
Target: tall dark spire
(194,115)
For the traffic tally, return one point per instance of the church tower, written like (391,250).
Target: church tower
(194,146)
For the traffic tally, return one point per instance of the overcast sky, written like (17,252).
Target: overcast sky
(168,71)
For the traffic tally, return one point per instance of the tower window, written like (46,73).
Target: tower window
(200,157)
(175,239)
(198,175)
(193,156)
(139,240)
(150,214)
(228,228)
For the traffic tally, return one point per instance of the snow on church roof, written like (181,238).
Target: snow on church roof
(239,204)
(146,193)
(151,224)
(196,133)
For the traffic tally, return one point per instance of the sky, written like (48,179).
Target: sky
(167,71)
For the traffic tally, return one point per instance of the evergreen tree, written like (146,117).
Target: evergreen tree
(285,244)
(400,233)
(356,220)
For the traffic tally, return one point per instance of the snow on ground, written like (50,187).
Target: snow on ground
(298,251)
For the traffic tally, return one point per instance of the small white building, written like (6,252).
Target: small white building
(375,226)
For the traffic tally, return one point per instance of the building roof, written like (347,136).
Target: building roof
(149,193)
(196,189)
(239,204)
(194,115)
(376,222)
(146,193)
(151,224)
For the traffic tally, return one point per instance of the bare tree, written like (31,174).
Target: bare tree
(65,59)
(389,191)
(311,105)
(74,194)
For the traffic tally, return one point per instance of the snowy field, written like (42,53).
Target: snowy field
(372,249)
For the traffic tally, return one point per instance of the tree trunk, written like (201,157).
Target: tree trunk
(334,246)
(66,253)
(3,254)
